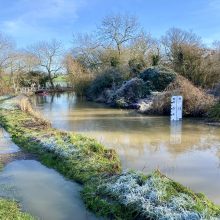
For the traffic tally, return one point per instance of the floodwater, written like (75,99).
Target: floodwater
(186,151)
(6,145)
(43,192)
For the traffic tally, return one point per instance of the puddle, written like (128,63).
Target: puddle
(6,145)
(44,192)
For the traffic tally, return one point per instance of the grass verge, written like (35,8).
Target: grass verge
(5,97)
(11,210)
(107,190)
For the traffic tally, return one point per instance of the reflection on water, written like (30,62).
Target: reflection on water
(44,192)
(175,132)
(187,151)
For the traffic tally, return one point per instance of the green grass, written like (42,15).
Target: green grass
(10,210)
(11,96)
(60,78)
(114,206)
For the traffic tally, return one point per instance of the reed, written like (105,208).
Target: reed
(25,105)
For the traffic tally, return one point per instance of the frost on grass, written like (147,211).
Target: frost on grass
(9,105)
(62,147)
(151,197)
(5,97)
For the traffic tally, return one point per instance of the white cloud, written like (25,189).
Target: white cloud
(40,17)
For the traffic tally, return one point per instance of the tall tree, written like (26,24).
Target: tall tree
(86,50)
(172,41)
(7,48)
(117,30)
(48,56)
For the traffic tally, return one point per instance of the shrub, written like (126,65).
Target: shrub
(81,83)
(104,80)
(115,61)
(136,66)
(160,77)
(5,88)
(130,91)
(214,112)
(195,101)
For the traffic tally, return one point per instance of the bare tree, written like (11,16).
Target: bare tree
(7,48)
(117,30)
(77,77)
(142,44)
(48,56)
(174,38)
(216,45)
(86,50)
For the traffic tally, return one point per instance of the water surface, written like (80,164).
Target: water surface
(44,193)
(7,146)
(187,151)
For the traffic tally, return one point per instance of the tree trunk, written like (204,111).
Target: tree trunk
(50,79)
(51,82)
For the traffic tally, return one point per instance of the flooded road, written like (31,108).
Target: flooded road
(187,151)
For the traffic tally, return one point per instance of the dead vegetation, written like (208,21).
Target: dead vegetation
(195,101)
(37,119)
(5,89)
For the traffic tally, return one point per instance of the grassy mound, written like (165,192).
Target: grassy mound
(132,195)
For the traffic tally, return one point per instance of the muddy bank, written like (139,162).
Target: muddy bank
(20,155)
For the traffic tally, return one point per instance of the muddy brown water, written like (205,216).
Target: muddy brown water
(187,151)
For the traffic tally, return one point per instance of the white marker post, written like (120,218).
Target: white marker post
(176,107)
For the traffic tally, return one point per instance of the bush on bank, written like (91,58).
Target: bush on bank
(110,88)
(107,191)
(213,114)
(130,93)
(159,77)
(195,101)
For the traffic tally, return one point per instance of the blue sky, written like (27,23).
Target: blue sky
(30,21)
